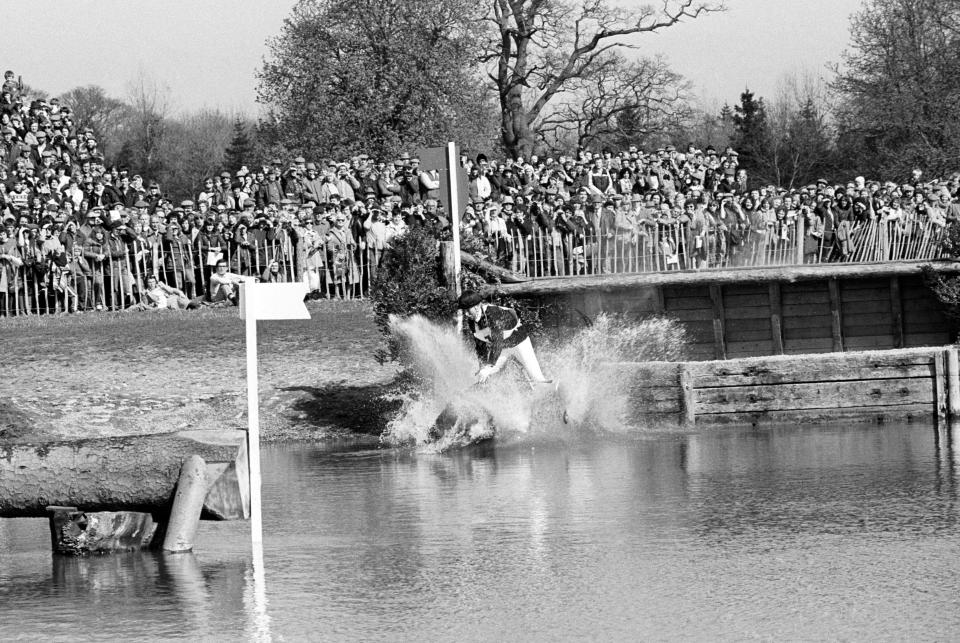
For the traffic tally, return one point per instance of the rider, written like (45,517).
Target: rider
(499,335)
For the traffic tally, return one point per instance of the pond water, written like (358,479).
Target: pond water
(821,533)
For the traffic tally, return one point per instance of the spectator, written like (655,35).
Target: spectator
(160,296)
(224,286)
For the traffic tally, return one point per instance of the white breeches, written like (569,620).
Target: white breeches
(523,353)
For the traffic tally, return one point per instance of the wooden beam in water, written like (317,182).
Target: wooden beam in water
(128,473)
(688,414)
(870,386)
(825,394)
(953,383)
(940,384)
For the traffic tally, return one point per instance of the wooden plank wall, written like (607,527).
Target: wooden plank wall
(870,386)
(924,323)
(756,319)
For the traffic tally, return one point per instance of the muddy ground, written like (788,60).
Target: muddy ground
(101,374)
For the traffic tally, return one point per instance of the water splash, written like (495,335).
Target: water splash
(593,395)
(444,367)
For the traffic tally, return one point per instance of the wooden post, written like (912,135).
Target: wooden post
(953,383)
(716,296)
(940,387)
(836,311)
(776,327)
(661,304)
(800,232)
(896,312)
(447,254)
(187,505)
(688,410)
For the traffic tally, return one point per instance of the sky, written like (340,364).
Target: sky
(207,51)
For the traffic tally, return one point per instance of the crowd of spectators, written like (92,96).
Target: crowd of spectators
(79,234)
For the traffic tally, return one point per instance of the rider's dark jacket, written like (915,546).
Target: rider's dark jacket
(498,328)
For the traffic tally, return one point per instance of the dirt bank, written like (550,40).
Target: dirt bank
(128,373)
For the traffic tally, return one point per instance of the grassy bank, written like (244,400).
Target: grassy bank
(103,374)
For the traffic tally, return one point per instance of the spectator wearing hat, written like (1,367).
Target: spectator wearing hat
(11,260)
(342,271)
(153,197)
(223,192)
(178,258)
(271,191)
(347,183)
(311,185)
(375,238)
(309,251)
(409,181)
(38,148)
(98,255)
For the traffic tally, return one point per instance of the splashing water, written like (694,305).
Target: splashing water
(445,366)
(594,395)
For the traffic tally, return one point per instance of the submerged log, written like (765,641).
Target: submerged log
(80,533)
(130,473)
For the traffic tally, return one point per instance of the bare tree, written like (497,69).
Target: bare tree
(150,105)
(900,86)
(193,149)
(93,108)
(621,102)
(541,47)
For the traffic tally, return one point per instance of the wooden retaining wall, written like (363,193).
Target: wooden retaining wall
(785,311)
(871,386)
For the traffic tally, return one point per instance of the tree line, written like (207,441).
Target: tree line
(519,77)
(144,134)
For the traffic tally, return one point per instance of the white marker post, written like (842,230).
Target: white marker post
(262,301)
(453,166)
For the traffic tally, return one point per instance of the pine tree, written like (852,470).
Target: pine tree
(751,138)
(240,150)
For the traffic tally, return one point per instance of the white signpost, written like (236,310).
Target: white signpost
(262,301)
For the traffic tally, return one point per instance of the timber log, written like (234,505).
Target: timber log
(129,473)
(504,275)
(724,276)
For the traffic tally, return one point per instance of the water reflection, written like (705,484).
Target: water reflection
(833,532)
(140,595)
